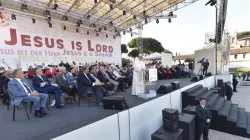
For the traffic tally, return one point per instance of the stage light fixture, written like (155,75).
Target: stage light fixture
(131,34)
(0,4)
(49,18)
(96,2)
(100,29)
(111,23)
(65,18)
(169,20)
(107,36)
(87,32)
(77,30)
(115,30)
(64,27)
(144,13)
(123,12)
(157,21)
(47,13)
(24,7)
(105,28)
(211,2)
(13,17)
(146,21)
(97,34)
(111,7)
(130,29)
(134,17)
(33,20)
(50,24)
(88,16)
(170,14)
(79,22)
(113,37)
(94,26)
(124,33)
(55,6)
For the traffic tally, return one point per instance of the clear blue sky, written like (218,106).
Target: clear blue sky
(186,33)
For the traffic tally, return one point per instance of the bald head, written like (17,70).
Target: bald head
(62,70)
(8,74)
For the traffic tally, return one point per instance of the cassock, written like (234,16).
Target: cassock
(138,86)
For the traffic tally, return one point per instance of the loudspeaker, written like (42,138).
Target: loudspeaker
(187,123)
(219,82)
(115,102)
(201,77)
(209,74)
(162,134)
(164,89)
(190,110)
(176,85)
(170,119)
(195,79)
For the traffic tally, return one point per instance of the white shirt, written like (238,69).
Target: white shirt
(203,106)
(40,77)
(117,74)
(20,82)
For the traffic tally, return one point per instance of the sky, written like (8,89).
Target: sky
(186,33)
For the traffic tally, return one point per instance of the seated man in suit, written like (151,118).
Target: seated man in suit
(64,84)
(86,83)
(42,84)
(4,84)
(107,84)
(115,78)
(21,91)
(70,76)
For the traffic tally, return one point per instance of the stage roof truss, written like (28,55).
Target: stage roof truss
(101,13)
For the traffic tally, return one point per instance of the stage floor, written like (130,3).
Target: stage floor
(61,121)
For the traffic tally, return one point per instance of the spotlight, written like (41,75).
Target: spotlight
(170,14)
(77,30)
(211,2)
(111,7)
(130,29)
(131,34)
(124,13)
(97,34)
(100,29)
(47,13)
(88,16)
(0,4)
(49,18)
(111,23)
(64,27)
(144,13)
(55,6)
(105,29)
(79,22)
(87,32)
(94,26)
(24,7)
(65,18)
(13,17)
(169,20)
(134,17)
(115,30)
(50,24)
(157,21)
(107,36)
(96,3)
(124,32)
(33,20)
(113,37)
(118,34)
(146,21)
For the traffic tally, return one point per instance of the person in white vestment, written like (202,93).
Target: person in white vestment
(138,86)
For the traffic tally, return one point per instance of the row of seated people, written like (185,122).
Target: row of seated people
(65,82)
(174,72)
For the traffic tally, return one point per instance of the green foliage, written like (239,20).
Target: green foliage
(167,51)
(125,62)
(150,45)
(134,53)
(188,60)
(242,34)
(124,48)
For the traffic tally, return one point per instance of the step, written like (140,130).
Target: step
(198,92)
(218,104)
(192,89)
(212,99)
(242,118)
(248,122)
(207,94)
(233,113)
(225,108)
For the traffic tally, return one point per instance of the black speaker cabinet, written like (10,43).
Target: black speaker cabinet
(195,79)
(164,89)
(115,102)
(176,85)
(201,77)
(187,123)
(170,119)
(219,82)
(162,134)
(190,110)
(209,74)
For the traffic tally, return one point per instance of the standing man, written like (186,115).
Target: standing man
(203,115)
(205,67)
(229,91)
(235,83)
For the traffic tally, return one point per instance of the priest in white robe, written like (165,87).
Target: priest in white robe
(138,86)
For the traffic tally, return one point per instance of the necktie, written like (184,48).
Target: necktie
(41,78)
(104,76)
(87,78)
(204,107)
(26,87)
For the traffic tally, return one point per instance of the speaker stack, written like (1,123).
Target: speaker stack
(176,85)
(170,129)
(115,102)
(164,89)
(187,123)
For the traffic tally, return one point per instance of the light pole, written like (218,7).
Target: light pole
(216,40)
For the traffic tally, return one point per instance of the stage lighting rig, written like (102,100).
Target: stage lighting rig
(130,29)
(100,29)
(169,20)
(124,33)
(50,24)
(55,7)
(64,27)
(105,28)
(65,18)
(87,32)
(131,34)
(107,36)
(111,23)
(33,20)
(24,7)
(113,37)
(115,30)
(169,16)
(123,12)
(134,17)
(96,3)
(146,21)
(97,34)
(211,2)
(47,13)
(111,7)
(77,30)
(157,21)
(88,16)
(79,22)
(13,17)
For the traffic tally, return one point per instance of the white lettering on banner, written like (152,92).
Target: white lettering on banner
(23,43)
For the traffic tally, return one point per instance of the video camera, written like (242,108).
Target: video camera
(201,61)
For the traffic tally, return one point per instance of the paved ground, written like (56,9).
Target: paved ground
(242,98)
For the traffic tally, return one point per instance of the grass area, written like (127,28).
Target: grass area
(239,70)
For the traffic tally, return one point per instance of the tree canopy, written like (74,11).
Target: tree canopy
(189,60)
(134,53)
(167,51)
(124,48)
(150,45)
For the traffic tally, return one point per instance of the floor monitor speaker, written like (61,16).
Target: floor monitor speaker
(162,134)
(195,79)
(170,118)
(176,85)
(164,89)
(115,102)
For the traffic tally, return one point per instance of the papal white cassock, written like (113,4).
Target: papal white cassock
(138,86)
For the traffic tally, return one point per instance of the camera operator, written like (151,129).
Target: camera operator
(205,67)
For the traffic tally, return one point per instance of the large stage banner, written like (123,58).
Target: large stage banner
(24,43)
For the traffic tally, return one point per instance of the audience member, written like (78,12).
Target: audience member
(30,72)
(235,83)
(229,90)
(70,77)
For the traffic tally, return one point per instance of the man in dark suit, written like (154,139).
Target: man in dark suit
(235,83)
(203,116)
(229,91)
(86,83)
(102,77)
(63,83)
(42,84)
(4,84)
(115,78)
(21,91)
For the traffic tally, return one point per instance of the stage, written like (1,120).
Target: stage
(61,121)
